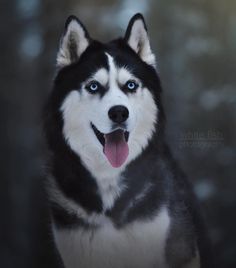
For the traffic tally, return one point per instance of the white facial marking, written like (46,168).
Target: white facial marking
(146,108)
(137,245)
(101,76)
(124,75)
(115,96)
(112,70)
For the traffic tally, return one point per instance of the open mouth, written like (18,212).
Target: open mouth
(115,145)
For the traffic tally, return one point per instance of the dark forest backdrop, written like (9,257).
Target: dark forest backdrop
(195,43)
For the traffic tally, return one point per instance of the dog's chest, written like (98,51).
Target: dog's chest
(140,244)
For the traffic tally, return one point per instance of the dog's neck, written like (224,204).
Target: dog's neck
(102,183)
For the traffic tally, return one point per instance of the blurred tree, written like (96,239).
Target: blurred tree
(195,43)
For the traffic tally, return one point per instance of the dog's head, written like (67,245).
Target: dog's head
(107,94)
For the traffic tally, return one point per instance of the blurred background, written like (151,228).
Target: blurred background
(195,44)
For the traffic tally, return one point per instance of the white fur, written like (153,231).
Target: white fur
(101,76)
(75,32)
(140,244)
(139,42)
(80,108)
(123,75)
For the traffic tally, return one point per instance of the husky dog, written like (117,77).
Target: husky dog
(117,197)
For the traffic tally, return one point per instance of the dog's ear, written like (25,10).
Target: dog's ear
(136,37)
(73,43)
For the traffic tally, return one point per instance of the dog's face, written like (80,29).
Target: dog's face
(108,94)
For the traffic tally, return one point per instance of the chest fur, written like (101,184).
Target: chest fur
(140,244)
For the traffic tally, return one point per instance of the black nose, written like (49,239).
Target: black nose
(118,113)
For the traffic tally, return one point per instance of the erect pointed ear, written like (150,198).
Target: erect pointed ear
(136,37)
(73,43)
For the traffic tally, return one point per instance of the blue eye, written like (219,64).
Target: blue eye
(93,86)
(131,85)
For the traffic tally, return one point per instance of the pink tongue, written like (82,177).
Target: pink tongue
(116,148)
